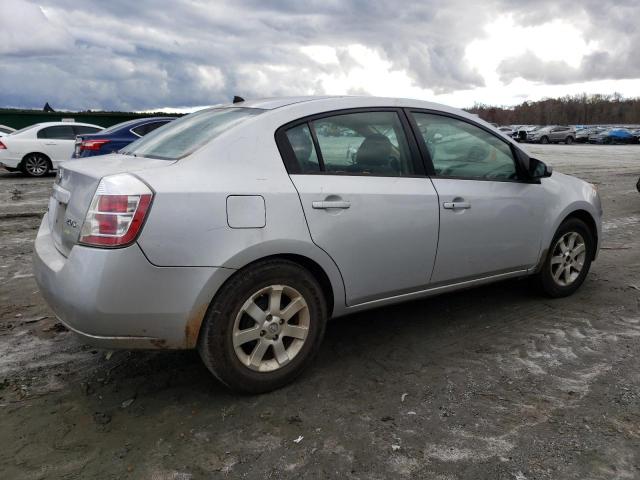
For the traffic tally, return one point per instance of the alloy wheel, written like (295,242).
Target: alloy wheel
(271,328)
(568,258)
(36,165)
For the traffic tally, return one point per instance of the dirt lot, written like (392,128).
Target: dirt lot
(492,383)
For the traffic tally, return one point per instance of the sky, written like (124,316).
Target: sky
(179,55)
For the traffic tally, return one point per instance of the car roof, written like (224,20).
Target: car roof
(55,124)
(321,104)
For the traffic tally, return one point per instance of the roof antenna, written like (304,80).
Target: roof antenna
(237,99)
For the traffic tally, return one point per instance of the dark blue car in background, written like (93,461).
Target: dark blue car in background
(116,137)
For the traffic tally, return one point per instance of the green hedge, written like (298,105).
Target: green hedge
(23,118)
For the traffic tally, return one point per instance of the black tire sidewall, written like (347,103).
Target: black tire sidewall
(26,172)
(547,282)
(215,342)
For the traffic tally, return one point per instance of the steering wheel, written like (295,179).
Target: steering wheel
(477,153)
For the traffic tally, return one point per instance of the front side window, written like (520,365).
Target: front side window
(185,135)
(462,150)
(59,132)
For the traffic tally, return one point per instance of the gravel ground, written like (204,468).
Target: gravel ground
(491,383)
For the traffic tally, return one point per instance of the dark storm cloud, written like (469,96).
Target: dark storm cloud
(145,54)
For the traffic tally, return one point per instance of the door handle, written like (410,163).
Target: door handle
(331,204)
(51,143)
(456,205)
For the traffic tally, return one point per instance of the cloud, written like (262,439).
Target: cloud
(27,31)
(180,53)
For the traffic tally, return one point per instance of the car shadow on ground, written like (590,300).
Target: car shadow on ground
(378,343)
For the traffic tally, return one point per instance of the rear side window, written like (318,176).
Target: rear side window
(302,144)
(187,134)
(142,130)
(82,130)
(58,132)
(367,143)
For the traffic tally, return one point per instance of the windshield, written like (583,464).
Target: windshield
(185,135)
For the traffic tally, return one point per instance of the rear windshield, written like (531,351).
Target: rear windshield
(185,135)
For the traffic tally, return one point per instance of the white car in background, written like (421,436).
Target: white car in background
(37,149)
(4,130)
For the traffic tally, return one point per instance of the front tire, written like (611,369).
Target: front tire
(264,327)
(544,140)
(36,165)
(568,259)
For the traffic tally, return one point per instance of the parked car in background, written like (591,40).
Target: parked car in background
(116,137)
(4,130)
(508,131)
(522,133)
(552,134)
(240,229)
(582,134)
(613,136)
(40,148)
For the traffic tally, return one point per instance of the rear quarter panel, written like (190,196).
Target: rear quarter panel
(188,226)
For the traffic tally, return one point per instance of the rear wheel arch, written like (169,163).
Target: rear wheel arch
(23,166)
(307,263)
(36,153)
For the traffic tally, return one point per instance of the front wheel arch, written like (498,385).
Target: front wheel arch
(589,221)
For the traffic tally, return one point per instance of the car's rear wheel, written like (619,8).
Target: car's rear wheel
(568,140)
(36,165)
(264,326)
(568,259)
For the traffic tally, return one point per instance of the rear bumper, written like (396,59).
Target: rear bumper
(117,299)
(10,162)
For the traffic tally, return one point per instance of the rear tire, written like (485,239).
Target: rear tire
(568,141)
(250,341)
(36,165)
(568,259)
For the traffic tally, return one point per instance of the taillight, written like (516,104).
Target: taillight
(92,144)
(117,212)
(2,146)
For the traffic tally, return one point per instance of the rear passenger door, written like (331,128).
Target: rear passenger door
(366,199)
(57,142)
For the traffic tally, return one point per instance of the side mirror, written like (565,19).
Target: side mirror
(539,169)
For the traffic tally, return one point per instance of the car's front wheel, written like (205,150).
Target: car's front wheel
(544,140)
(264,326)
(568,259)
(36,165)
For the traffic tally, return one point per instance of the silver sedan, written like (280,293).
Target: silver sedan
(240,229)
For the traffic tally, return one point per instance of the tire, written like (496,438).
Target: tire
(555,285)
(568,140)
(544,140)
(227,316)
(36,165)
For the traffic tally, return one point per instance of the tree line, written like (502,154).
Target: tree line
(570,110)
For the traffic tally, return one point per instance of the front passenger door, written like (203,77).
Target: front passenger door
(489,219)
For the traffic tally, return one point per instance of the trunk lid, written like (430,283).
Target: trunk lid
(74,187)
